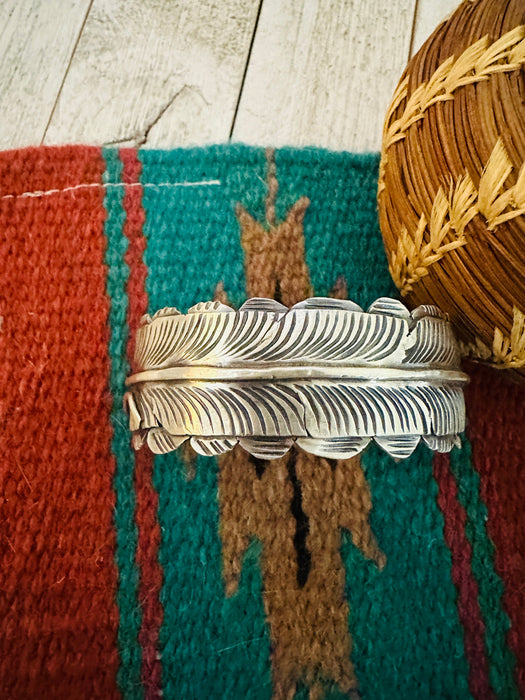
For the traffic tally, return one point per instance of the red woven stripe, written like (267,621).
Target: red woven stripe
(42,169)
(466,585)
(147,498)
(496,430)
(57,574)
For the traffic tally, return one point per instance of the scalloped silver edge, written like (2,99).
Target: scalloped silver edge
(398,447)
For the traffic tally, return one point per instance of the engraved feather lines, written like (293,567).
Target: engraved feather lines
(317,330)
(475,64)
(301,410)
(303,373)
(450,215)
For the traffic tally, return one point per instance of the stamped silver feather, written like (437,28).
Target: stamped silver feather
(324,373)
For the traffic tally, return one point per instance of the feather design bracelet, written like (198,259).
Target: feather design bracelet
(324,374)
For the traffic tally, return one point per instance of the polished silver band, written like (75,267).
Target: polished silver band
(324,374)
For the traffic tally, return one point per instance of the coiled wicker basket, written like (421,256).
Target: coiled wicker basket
(452,178)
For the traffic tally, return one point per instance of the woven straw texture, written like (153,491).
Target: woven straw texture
(127,576)
(452,184)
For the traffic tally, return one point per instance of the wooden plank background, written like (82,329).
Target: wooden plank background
(166,73)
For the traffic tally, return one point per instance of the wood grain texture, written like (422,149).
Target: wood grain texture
(37,40)
(156,73)
(429,14)
(323,72)
(167,73)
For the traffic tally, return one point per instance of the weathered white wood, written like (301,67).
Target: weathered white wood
(164,73)
(37,39)
(323,72)
(430,13)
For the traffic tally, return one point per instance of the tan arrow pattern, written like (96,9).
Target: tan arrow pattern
(297,505)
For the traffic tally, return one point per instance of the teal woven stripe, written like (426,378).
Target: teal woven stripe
(408,640)
(211,646)
(502,661)
(126,532)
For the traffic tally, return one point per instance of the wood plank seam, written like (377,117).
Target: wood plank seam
(246,66)
(413,32)
(66,71)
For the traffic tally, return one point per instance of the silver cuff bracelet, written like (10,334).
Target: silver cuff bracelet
(323,374)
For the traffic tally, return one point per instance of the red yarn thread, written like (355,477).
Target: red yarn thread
(464,581)
(58,629)
(496,430)
(147,497)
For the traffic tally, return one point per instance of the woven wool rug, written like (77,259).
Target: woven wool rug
(124,576)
